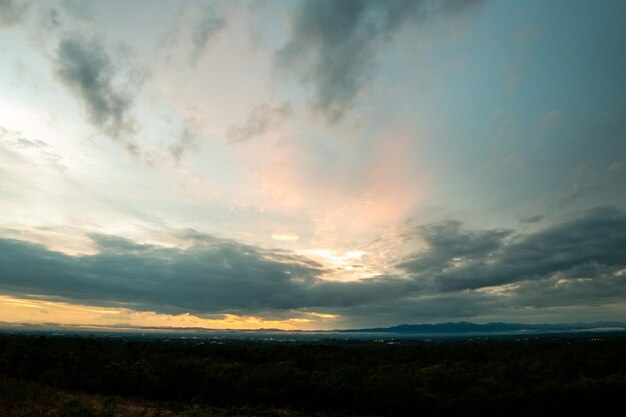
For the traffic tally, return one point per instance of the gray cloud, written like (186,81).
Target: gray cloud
(578,262)
(88,71)
(534,218)
(11,12)
(260,120)
(15,137)
(587,246)
(214,276)
(579,191)
(430,307)
(28,151)
(194,31)
(448,243)
(332,45)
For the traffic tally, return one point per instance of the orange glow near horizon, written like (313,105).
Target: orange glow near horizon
(34,311)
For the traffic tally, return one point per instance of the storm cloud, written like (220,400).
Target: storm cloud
(332,45)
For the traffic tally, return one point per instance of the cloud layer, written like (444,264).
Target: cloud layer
(461,273)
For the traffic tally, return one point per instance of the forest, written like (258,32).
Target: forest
(205,377)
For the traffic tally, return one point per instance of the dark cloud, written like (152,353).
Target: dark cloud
(451,306)
(89,72)
(332,45)
(578,262)
(260,120)
(214,276)
(588,246)
(448,243)
(564,292)
(115,244)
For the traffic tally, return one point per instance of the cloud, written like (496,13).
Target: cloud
(587,246)
(215,275)
(333,45)
(416,309)
(261,119)
(462,273)
(285,236)
(448,243)
(212,276)
(535,218)
(203,33)
(188,140)
(194,31)
(579,190)
(609,179)
(11,12)
(17,140)
(88,71)
(21,152)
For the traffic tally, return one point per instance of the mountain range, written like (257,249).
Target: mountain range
(462,328)
(465,327)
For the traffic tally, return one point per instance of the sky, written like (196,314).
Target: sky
(312,164)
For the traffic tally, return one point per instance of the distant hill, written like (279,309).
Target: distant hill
(465,327)
(462,328)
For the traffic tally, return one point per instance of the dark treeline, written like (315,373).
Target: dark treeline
(537,377)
